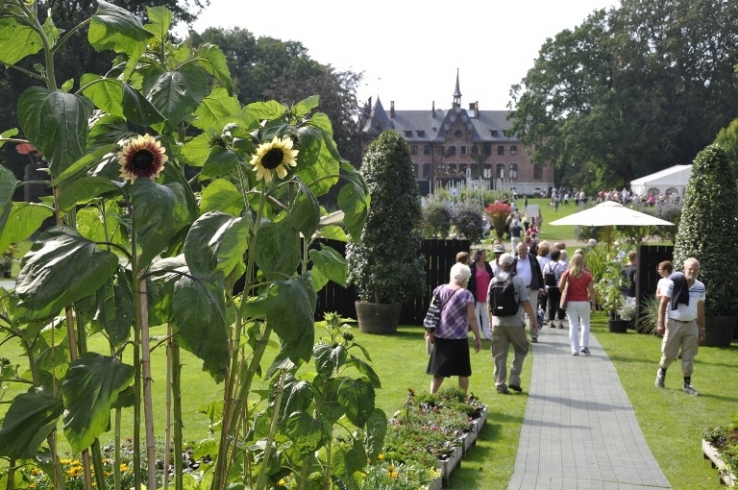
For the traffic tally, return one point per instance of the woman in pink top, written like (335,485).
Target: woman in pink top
(580,296)
(481,276)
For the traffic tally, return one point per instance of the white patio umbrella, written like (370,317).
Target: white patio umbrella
(609,214)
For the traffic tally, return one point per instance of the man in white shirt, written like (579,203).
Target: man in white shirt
(682,322)
(528,269)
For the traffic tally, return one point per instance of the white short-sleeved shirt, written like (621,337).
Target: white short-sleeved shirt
(661,286)
(684,313)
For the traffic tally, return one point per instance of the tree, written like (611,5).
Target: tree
(387,266)
(632,90)
(727,138)
(708,226)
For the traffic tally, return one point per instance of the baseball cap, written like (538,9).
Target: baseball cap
(506,259)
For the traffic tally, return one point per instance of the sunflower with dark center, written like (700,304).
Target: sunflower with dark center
(275,156)
(142,156)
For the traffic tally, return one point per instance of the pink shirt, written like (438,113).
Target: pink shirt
(482,279)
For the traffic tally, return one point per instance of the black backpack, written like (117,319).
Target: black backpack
(502,298)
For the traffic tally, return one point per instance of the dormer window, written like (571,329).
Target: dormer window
(421,133)
(408,134)
(493,132)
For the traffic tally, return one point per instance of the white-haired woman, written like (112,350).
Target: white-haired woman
(450,354)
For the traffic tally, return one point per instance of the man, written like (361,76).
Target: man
(629,274)
(515,232)
(682,322)
(527,268)
(508,330)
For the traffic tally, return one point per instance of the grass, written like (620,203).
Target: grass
(553,233)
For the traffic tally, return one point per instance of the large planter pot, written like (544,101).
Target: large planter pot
(719,331)
(724,473)
(377,317)
(618,326)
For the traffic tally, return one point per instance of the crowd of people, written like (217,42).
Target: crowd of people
(565,289)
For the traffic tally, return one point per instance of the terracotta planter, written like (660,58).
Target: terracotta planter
(377,317)
(724,473)
(719,331)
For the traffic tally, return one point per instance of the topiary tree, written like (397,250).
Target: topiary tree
(387,266)
(436,219)
(469,222)
(708,229)
(498,213)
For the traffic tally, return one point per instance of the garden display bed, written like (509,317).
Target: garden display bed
(726,476)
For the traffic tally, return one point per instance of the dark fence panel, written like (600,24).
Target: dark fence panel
(440,255)
(648,263)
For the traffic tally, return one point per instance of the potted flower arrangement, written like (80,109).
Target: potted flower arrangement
(387,267)
(609,291)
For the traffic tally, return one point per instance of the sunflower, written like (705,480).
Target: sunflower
(142,156)
(274,156)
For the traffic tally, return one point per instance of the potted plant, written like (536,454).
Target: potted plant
(707,226)
(387,266)
(609,291)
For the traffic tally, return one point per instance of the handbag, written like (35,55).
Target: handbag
(564,300)
(432,318)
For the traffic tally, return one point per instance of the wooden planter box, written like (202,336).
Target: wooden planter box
(436,484)
(724,472)
(468,440)
(481,421)
(448,465)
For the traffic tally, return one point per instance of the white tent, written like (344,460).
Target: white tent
(672,180)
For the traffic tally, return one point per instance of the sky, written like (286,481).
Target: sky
(409,51)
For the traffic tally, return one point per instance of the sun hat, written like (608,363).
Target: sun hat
(499,249)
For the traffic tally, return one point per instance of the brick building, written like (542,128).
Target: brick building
(451,145)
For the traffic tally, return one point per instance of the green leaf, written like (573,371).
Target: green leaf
(290,311)
(118,29)
(353,200)
(216,242)
(222,195)
(105,93)
(82,190)
(56,124)
(376,429)
(114,309)
(265,110)
(304,215)
(17,41)
(305,432)
(298,394)
(177,94)
(330,264)
(8,183)
(329,358)
(160,20)
(109,130)
(138,109)
(92,225)
(278,248)
(31,417)
(304,107)
(84,163)
(309,143)
(8,133)
(315,175)
(61,268)
(357,396)
(159,212)
(334,233)
(221,161)
(332,409)
(214,62)
(366,370)
(196,151)
(216,106)
(23,220)
(198,310)
(89,389)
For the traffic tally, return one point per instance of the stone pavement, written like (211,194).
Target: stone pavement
(579,429)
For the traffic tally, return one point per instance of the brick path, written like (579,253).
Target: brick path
(579,430)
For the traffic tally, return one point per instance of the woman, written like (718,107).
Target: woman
(481,275)
(580,295)
(450,354)
(664,271)
(551,275)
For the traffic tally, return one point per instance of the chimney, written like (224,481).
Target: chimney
(476,109)
(433,109)
(392,109)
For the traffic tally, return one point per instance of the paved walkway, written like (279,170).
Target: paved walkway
(579,430)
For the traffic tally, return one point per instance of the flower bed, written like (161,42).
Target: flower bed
(720,446)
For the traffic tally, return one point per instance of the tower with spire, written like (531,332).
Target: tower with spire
(457,92)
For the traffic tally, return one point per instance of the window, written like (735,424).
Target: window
(500,173)
(451,150)
(421,133)
(474,150)
(439,151)
(415,170)
(487,171)
(500,150)
(513,150)
(513,173)
(493,132)
(487,149)
(538,171)
(463,149)
(426,171)
(452,168)
(414,150)
(462,168)
(458,133)
(408,134)
(427,150)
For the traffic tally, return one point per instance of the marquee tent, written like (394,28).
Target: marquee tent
(672,180)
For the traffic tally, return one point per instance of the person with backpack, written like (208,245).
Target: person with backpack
(507,299)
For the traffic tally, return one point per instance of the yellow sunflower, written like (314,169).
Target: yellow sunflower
(275,156)
(142,156)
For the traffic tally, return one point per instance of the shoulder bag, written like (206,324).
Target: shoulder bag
(433,317)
